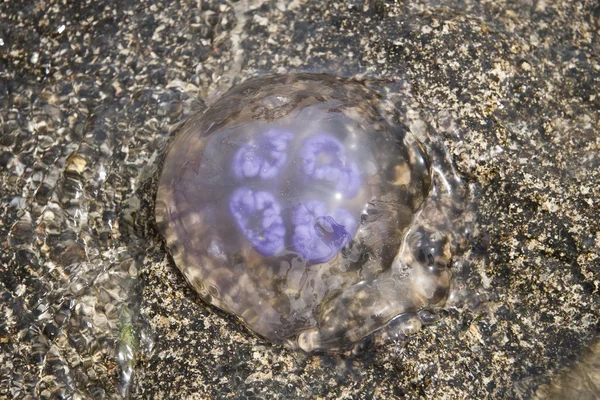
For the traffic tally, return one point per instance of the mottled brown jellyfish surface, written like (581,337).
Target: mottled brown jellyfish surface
(293,203)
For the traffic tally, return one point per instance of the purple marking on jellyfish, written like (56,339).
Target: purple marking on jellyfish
(264,157)
(257,215)
(319,235)
(324,158)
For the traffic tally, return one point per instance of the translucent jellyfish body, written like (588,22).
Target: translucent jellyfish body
(288,202)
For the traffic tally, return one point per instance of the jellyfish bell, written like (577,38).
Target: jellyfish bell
(292,214)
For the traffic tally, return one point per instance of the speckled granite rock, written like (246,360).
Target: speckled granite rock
(88,96)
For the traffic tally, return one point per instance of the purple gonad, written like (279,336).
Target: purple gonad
(319,235)
(257,215)
(310,227)
(263,158)
(324,159)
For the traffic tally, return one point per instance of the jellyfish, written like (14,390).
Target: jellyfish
(288,204)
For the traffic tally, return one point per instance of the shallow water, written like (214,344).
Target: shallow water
(88,245)
(72,254)
(86,115)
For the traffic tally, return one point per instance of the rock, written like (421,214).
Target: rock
(509,87)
